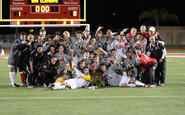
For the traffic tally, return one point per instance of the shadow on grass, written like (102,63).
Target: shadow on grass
(5,86)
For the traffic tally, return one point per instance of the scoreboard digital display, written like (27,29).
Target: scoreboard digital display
(44,1)
(44,9)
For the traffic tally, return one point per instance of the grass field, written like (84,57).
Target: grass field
(167,100)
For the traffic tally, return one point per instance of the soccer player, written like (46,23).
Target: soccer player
(158,51)
(111,78)
(25,55)
(91,46)
(102,54)
(131,64)
(57,39)
(78,46)
(110,38)
(115,59)
(47,44)
(48,71)
(40,41)
(34,64)
(86,36)
(82,80)
(131,37)
(141,43)
(100,40)
(66,42)
(63,58)
(143,31)
(120,47)
(153,32)
(49,54)
(15,56)
(43,33)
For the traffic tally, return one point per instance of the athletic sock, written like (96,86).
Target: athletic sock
(14,76)
(23,77)
(59,87)
(12,79)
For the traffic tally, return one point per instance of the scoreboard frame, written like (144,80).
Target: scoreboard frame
(42,20)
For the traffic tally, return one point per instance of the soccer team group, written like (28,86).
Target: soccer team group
(130,58)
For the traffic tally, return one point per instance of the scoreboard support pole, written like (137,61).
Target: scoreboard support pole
(42,25)
(1,8)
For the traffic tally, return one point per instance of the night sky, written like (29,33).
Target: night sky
(125,13)
(119,14)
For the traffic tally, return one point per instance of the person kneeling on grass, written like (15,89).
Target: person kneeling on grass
(117,80)
(128,81)
(82,80)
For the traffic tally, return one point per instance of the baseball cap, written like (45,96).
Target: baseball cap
(152,29)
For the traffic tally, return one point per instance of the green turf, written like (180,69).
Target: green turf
(167,100)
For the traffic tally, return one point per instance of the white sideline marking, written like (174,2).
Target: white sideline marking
(92,97)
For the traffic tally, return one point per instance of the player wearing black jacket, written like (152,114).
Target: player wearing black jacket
(35,63)
(48,71)
(14,59)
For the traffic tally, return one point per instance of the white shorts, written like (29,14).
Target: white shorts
(72,83)
(124,80)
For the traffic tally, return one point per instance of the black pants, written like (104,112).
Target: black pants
(148,77)
(47,78)
(160,73)
(32,78)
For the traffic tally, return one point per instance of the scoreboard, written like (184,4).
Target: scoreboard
(44,9)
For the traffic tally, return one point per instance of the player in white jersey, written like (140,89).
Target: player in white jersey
(81,80)
(127,81)
(141,43)
(120,46)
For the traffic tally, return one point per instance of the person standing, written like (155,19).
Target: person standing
(14,57)
(157,50)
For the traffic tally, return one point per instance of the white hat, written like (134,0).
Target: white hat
(152,29)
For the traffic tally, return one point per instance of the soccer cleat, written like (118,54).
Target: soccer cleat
(15,85)
(162,84)
(24,85)
(145,86)
(152,86)
(92,87)
(30,86)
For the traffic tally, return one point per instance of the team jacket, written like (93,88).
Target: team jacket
(146,61)
(156,51)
